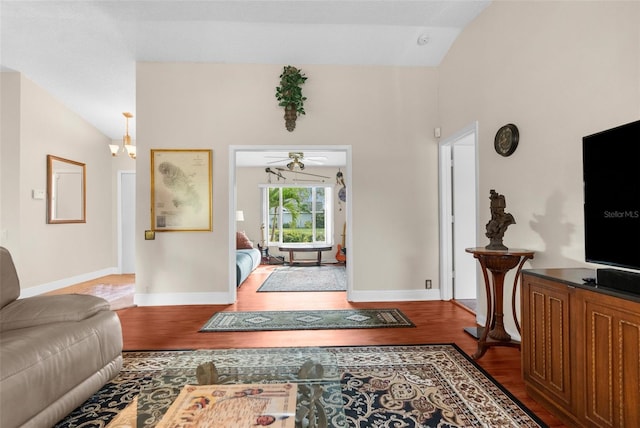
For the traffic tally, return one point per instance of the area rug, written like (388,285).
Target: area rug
(306,278)
(306,320)
(376,386)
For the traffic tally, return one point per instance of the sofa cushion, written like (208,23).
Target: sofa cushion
(243,242)
(9,283)
(52,363)
(246,262)
(39,310)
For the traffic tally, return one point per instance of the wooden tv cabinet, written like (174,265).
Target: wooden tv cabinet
(580,348)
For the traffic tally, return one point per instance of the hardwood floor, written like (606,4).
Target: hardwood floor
(118,290)
(176,327)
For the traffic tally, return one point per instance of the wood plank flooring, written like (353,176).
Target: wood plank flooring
(118,290)
(176,327)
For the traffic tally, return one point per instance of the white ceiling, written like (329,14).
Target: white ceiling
(84,52)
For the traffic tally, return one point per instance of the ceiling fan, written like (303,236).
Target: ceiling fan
(295,161)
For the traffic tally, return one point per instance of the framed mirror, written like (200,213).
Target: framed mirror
(66,190)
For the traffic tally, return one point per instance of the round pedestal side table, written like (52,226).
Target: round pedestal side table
(498,262)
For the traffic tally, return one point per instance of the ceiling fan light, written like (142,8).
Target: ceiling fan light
(295,165)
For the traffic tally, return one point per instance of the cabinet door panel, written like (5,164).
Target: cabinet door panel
(599,365)
(629,377)
(612,362)
(538,336)
(546,355)
(558,346)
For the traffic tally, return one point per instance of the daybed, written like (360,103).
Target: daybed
(246,262)
(247,257)
(55,351)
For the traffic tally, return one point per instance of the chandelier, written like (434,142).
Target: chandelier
(126,141)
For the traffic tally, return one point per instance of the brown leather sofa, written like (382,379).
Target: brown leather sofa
(55,351)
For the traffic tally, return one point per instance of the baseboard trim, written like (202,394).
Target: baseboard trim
(66,282)
(173,299)
(394,295)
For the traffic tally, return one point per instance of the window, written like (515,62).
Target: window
(297,214)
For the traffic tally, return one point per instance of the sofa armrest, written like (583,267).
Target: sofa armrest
(38,310)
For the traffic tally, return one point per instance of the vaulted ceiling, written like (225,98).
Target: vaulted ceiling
(84,51)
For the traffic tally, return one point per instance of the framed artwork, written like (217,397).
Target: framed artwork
(181,190)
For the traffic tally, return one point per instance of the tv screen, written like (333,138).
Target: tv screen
(611,168)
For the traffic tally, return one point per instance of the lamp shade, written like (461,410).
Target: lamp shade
(131,151)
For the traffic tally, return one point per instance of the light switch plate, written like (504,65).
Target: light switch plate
(37,194)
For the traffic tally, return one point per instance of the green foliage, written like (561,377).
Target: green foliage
(289,92)
(292,200)
(293,235)
(301,235)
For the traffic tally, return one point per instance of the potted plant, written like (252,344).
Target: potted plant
(289,95)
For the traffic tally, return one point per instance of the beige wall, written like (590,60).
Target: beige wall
(10,162)
(559,71)
(386,114)
(38,125)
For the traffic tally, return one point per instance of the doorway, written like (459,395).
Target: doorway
(458,214)
(265,151)
(126,222)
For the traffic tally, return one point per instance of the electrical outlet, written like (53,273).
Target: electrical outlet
(427,284)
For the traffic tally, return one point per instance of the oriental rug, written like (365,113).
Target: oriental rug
(306,320)
(306,278)
(376,386)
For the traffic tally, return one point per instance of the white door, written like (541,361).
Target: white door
(464,217)
(458,214)
(128,221)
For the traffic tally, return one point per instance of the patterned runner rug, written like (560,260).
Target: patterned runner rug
(306,320)
(306,278)
(380,386)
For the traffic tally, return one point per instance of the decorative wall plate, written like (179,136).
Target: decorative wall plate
(342,194)
(506,140)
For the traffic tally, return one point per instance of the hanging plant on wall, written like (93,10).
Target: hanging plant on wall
(289,95)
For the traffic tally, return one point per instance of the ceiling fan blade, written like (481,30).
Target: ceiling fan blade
(313,161)
(277,161)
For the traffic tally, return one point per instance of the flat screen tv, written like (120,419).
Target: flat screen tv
(611,168)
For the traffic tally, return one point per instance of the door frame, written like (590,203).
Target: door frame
(232,224)
(445,166)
